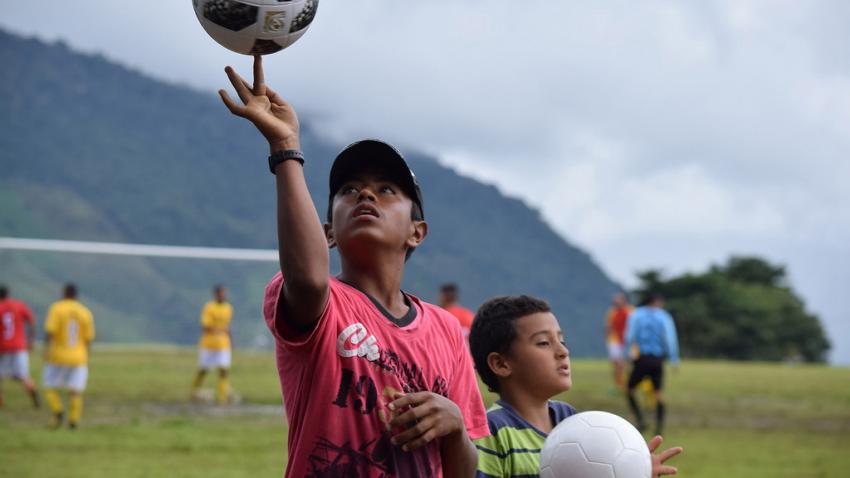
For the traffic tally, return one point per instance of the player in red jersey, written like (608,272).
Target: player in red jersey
(449,301)
(17,333)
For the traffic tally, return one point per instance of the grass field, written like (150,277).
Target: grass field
(734,420)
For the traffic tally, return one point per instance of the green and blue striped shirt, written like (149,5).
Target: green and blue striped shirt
(513,447)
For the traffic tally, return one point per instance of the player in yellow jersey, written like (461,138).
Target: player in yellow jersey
(69,331)
(215,344)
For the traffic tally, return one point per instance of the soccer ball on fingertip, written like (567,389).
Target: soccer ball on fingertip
(595,445)
(255,27)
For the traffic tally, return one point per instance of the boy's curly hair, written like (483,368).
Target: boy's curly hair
(493,330)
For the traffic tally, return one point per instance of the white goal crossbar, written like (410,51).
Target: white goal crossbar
(148,250)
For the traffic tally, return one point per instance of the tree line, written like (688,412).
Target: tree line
(741,310)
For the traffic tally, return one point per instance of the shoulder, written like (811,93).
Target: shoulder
(442,322)
(499,417)
(338,293)
(561,409)
(19,306)
(439,315)
(57,308)
(85,310)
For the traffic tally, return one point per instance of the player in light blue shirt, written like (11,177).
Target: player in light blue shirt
(653,331)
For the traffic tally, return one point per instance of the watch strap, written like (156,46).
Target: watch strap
(285,155)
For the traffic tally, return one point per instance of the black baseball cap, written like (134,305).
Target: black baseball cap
(373,152)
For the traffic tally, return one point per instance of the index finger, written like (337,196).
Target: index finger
(407,400)
(654,443)
(238,84)
(259,76)
(669,453)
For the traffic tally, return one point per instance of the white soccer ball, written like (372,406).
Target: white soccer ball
(255,27)
(595,445)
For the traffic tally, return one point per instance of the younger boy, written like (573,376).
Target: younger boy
(519,352)
(376,382)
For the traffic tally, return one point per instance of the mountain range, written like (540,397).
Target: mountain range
(95,151)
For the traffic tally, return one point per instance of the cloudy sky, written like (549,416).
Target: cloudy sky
(653,134)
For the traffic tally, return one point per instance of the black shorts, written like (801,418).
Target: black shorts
(647,366)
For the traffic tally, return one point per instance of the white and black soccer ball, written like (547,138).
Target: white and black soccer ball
(595,445)
(255,27)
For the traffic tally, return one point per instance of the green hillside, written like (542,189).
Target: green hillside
(91,150)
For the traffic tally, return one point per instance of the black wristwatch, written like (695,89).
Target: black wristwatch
(288,154)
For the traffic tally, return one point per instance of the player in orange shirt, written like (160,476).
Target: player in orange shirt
(449,300)
(17,333)
(615,328)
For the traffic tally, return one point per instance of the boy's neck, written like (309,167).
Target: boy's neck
(534,410)
(382,282)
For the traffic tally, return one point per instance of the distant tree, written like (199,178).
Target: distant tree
(742,310)
(754,270)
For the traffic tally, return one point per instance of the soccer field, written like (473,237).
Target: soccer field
(734,419)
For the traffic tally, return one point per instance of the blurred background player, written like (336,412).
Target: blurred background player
(17,334)
(69,331)
(449,297)
(215,350)
(615,329)
(653,331)
(520,353)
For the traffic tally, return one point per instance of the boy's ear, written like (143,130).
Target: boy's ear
(329,235)
(417,234)
(499,365)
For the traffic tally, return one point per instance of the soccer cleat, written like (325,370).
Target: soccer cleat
(36,403)
(72,425)
(56,420)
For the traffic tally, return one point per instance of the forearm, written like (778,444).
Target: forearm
(459,456)
(30,335)
(302,246)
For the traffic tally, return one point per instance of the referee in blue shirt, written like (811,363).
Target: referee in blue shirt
(652,329)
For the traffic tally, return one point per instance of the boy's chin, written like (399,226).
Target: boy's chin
(363,242)
(565,385)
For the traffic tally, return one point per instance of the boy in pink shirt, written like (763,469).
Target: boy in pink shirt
(376,382)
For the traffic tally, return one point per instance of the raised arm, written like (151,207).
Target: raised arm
(302,247)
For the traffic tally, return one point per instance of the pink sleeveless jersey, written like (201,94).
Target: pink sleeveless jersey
(338,379)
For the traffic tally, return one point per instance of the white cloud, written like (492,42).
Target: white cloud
(654,134)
